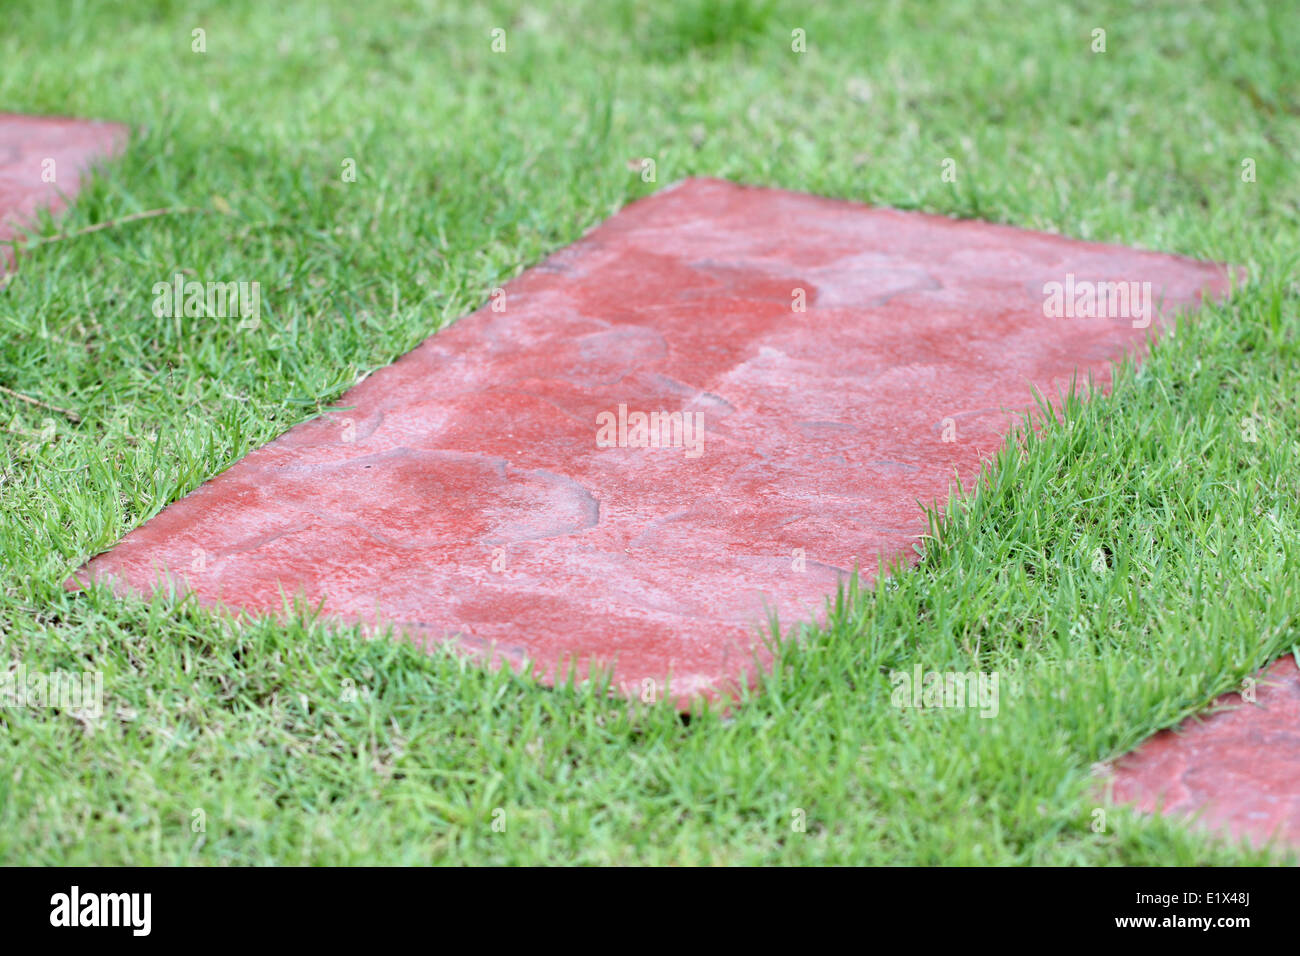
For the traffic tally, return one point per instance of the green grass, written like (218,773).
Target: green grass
(474,165)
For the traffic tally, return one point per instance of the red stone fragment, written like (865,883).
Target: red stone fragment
(463,496)
(1238,766)
(42,161)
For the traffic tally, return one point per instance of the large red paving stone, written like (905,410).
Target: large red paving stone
(1236,768)
(823,429)
(27,144)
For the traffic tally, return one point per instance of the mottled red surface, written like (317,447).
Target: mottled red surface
(1238,765)
(26,143)
(823,429)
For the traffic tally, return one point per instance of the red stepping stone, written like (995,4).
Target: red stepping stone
(469,496)
(42,162)
(1237,766)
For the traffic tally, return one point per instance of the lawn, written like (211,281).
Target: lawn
(293,743)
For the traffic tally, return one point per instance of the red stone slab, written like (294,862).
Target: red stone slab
(1237,767)
(42,162)
(464,497)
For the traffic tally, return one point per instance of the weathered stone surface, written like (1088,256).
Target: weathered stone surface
(1235,768)
(35,148)
(464,496)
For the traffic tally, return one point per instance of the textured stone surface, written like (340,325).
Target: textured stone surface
(464,496)
(27,143)
(1237,766)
